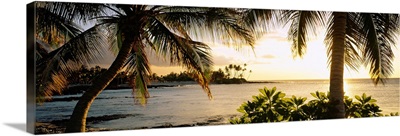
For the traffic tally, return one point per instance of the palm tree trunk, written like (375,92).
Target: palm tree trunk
(337,66)
(77,122)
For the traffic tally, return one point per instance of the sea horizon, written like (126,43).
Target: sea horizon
(316,79)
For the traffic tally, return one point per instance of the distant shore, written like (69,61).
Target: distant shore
(256,82)
(79,88)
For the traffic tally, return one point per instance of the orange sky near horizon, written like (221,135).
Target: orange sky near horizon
(273,60)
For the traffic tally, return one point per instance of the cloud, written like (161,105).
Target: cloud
(268,56)
(274,36)
(222,60)
(258,61)
(160,62)
(157,61)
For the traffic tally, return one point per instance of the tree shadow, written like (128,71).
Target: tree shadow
(18,126)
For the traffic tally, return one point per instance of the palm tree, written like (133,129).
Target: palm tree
(243,70)
(227,72)
(167,30)
(234,70)
(249,74)
(352,39)
(230,69)
(237,69)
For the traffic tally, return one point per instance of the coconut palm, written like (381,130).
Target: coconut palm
(230,69)
(227,72)
(249,74)
(167,30)
(351,39)
(237,69)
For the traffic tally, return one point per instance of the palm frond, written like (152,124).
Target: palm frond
(83,12)
(114,36)
(209,24)
(259,21)
(83,49)
(54,85)
(193,55)
(115,39)
(47,20)
(50,79)
(54,29)
(303,23)
(352,56)
(380,34)
(352,42)
(42,49)
(87,47)
(138,64)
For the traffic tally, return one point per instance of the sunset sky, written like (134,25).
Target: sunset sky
(273,60)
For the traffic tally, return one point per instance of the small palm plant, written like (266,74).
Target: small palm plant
(318,108)
(268,106)
(366,107)
(296,105)
(272,106)
(352,39)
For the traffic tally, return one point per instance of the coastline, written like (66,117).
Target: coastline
(79,88)
(48,127)
(58,126)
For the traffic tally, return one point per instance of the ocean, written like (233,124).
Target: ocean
(188,105)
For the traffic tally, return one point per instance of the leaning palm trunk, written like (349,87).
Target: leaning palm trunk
(166,30)
(337,65)
(77,122)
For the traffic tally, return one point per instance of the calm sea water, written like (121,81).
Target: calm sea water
(188,104)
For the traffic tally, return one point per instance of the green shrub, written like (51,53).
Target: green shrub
(272,106)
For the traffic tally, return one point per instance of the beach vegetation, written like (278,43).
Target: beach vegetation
(273,106)
(232,74)
(180,36)
(174,33)
(352,39)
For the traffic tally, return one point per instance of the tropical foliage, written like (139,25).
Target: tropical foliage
(273,106)
(235,71)
(179,35)
(62,47)
(352,39)
(182,76)
(86,75)
(174,33)
(232,74)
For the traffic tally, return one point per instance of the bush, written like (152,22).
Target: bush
(272,106)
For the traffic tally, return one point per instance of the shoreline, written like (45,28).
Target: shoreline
(49,128)
(79,88)
(58,126)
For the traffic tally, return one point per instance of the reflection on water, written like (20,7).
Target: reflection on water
(346,89)
(190,105)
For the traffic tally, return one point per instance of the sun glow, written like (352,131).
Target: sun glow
(272,60)
(346,88)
